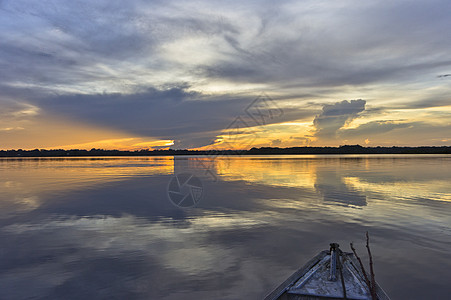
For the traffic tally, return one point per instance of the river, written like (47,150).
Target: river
(130,228)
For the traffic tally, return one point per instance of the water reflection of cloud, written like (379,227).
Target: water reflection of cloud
(122,238)
(159,246)
(437,190)
(25,184)
(335,190)
(306,173)
(282,172)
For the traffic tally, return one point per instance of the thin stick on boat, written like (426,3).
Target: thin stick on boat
(368,283)
(340,266)
(373,278)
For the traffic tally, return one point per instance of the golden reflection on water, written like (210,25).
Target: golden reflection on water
(390,176)
(301,204)
(438,190)
(341,180)
(393,190)
(269,171)
(25,182)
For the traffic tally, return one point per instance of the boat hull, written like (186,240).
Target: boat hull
(313,281)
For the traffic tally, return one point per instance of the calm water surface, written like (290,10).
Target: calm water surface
(104,228)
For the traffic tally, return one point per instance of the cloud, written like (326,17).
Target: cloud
(374,128)
(15,110)
(398,132)
(304,140)
(335,116)
(191,119)
(80,55)
(429,102)
(276,143)
(287,49)
(174,112)
(103,45)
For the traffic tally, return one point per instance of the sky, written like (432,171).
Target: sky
(137,74)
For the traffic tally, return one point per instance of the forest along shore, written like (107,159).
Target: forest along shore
(346,149)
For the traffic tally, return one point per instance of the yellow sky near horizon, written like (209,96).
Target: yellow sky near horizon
(42,131)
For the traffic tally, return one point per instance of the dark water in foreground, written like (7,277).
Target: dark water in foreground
(104,227)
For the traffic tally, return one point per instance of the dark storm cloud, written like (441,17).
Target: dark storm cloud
(190,118)
(335,116)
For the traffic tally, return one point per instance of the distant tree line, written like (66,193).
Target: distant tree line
(346,149)
(353,149)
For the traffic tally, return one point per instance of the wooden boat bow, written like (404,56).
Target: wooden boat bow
(332,274)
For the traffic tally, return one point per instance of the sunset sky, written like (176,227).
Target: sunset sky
(224,74)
